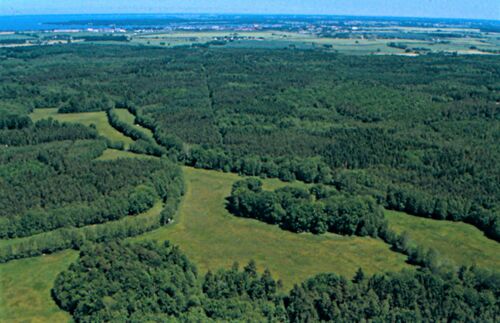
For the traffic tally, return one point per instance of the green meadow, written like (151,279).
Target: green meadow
(99,119)
(26,285)
(461,243)
(213,238)
(125,116)
(110,154)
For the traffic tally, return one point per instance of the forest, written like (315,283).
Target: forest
(361,133)
(324,209)
(419,134)
(318,210)
(137,282)
(52,185)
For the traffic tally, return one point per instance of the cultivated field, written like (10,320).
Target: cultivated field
(352,46)
(375,43)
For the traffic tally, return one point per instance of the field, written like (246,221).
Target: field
(99,119)
(110,154)
(125,116)
(461,243)
(26,286)
(212,238)
(369,40)
(152,212)
(416,134)
(351,46)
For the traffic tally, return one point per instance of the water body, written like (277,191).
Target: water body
(161,21)
(51,22)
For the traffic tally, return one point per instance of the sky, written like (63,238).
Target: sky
(475,9)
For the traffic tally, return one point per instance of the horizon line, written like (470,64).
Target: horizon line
(248,14)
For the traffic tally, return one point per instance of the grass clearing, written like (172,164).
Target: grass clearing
(25,288)
(111,154)
(25,283)
(125,116)
(460,242)
(152,212)
(212,238)
(99,119)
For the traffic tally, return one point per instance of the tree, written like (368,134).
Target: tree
(359,276)
(142,199)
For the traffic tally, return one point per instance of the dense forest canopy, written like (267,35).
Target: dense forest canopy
(60,184)
(55,193)
(420,134)
(318,210)
(121,282)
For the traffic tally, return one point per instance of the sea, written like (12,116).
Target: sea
(138,21)
(81,21)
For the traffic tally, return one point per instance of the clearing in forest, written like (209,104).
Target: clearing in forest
(127,117)
(99,119)
(213,238)
(459,242)
(26,285)
(111,154)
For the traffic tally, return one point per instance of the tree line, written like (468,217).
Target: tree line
(142,143)
(14,121)
(120,281)
(108,216)
(56,176)
(425,126)
(46,131)
(322,208)
(109,208)
(318,210)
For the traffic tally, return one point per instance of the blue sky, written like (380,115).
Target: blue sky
(480,9)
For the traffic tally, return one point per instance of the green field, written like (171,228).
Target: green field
(110,154)
(352,46)
(461,243)
(26,284)
(154,211)
(212,238)
(99,119)
(282,39)
(125,116)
